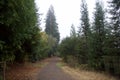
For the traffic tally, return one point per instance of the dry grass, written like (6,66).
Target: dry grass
(86,75)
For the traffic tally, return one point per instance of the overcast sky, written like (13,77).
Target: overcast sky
(67,12)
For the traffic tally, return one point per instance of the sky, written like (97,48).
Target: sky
(67,12)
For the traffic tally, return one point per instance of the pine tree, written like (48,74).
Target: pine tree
(115,26)
(112,58)
(98,37)
(85,26)
(51,25)
(85,19)
(52,28)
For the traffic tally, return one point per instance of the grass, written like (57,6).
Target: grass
(81,74)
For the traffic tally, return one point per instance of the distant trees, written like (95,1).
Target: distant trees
(52,28)
(73,31)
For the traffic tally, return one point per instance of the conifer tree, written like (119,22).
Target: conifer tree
(85,19)
(51,25)
(52,28)
(85,26)
(98,37)
(112,48)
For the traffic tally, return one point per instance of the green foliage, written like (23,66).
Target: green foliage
(98,37)
(67,47)
(112,45)
(51,45)
(84,36)
(20,36)
(73,50)
(44,45)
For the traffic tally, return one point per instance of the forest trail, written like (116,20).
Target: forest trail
(53,72)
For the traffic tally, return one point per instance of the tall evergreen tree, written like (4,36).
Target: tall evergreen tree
(52,28)
(115,26)
(98,36)
(51,25)
(113,39)
(85,19)
(85,26)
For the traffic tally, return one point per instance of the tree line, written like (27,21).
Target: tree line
(95,44)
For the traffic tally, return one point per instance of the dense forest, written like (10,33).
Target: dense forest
(95,45)
(20,35)
(21,38)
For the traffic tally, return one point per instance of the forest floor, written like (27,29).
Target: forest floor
(52,69)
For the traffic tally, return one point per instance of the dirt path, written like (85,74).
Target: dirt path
(52,69)
(53,72)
